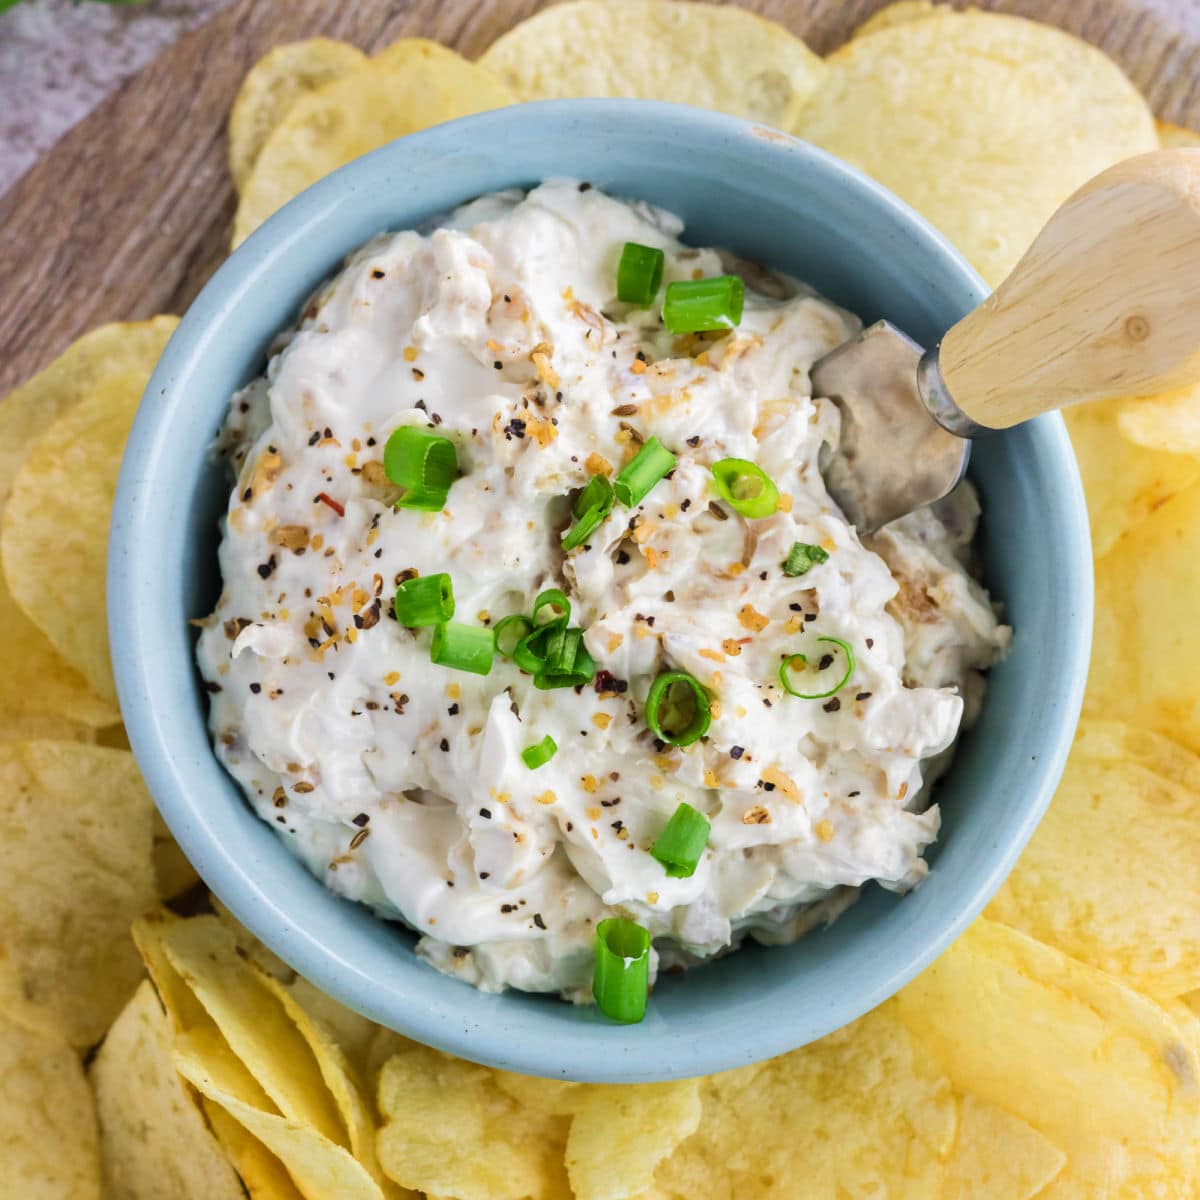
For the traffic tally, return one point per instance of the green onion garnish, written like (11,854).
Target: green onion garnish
(621,979)
(425,600)
(424,463)
(509,631)
(595,502)
(746,487)
(538,755)
(567,662)
(642,472)
(639,274)
(556,601)
(463,647)
(699,305)
(530,652)
(682,842)
(678,710)
(802,558)
(800,661)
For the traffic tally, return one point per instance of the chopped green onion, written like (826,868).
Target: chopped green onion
(678,710)
(509,632)
(796,661)
(595,502)
(682,842)
(556,600)
(530,653)
(540,754)
(802,558)
(639,274)
(425,600)
(463,647)
(424,463)
(567,664)
(621,978)
(699,305)
(642,472)
(746,487)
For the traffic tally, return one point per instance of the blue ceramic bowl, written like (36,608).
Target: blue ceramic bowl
(770,198)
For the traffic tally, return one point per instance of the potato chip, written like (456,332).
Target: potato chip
(1171,137)
(1168,422)
(48,1145)
(273,85)
(449,1130)
(1145,666)
(859,1113)
(409,86)
(998,1156)
(319,1168)
(337,1072)
(707,55)
(621,1132)
(254,1023)
(549,1096)
(1118,815)
(154,1142)
(983,123)
(26,727)
(1093,1066)
(1119,500)
(55,526)
(173,874)
(263,1175)
(76,864)
(150,933)
(900,13)
(352,1032)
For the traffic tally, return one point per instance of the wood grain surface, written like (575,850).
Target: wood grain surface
(130,213)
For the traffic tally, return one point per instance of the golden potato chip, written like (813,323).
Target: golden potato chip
(621,1132)
(1120,498)
(254,1023)
(553,1097)
(707,55)
(1145,666)
(336,1070)
(352,1032)
(36,680)
(48,1145)
(998,1156)
(449,1130)
(900,13)
(154,1142)
(1168,422)
(1118,815)
(273,85)
(409,86)
(263,1175)
(1171,137)
(859,1113)
(55,526)
(26,727)
(250,946)
(1093,1066)
(320,1169)
(983,123)
(150,932)
(76,866)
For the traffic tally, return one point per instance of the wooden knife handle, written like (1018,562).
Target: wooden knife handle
(1106,302)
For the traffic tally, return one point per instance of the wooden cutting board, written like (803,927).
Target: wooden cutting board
(131,212)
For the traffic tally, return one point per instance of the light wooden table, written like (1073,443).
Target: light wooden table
(130,213)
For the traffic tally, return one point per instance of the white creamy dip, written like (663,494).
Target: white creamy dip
(400,783)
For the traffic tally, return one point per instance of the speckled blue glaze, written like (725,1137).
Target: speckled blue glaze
(770,198)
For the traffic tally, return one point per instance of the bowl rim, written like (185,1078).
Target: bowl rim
(138,642)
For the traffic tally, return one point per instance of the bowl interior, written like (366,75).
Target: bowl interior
(769,198)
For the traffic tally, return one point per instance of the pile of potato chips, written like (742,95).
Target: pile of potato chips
(1054,1051)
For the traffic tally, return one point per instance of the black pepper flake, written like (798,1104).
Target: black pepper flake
(864,696)
(762,575)
(659,745)
(453,710)
(421,405)
(370,441)
(508,908)
(497,365)
(418,374)
(444,745)
(694,440)
(376,274)
(796,607)
(460,951)
(736,751)
(247,495)
(810,616)
(515,428)
(486,813)
(485,874)
(610,803)
(870,643)
(361,820)
(686,504)
(618,825)
(212,687)
(766,785)
(570,826)
(436,418)
(537,920)
(256,688)
(558,396)
(267,569)
(832,705)
(851,795)
(585,187)
(825,663)
(316,437)
(622,558)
